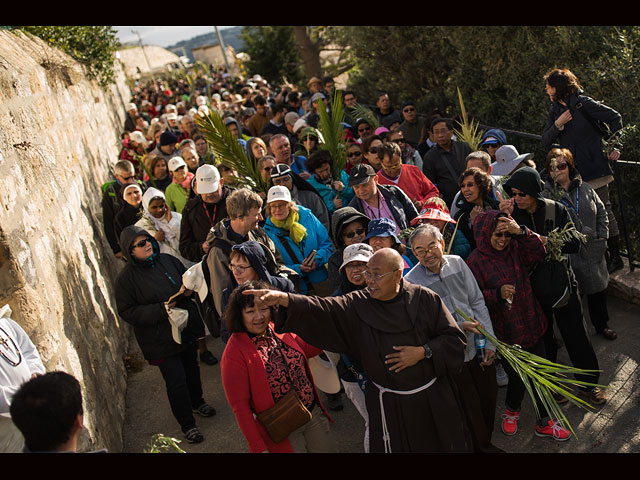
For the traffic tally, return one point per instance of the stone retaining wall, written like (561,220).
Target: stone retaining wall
(59,133)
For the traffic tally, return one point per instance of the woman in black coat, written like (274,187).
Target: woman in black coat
(571,123)
(142,289)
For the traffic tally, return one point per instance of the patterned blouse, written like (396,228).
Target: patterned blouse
(280,370)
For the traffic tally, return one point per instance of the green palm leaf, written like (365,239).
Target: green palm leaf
(542,376)
(230,153)
(332,133)
(468,132)
(360,111)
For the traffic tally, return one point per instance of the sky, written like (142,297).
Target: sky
(163,36)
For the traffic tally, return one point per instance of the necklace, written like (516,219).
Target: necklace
(8,351)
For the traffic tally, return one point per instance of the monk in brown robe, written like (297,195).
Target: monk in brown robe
(409,345)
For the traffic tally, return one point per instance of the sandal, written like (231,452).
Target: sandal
(205,410)
(193,435)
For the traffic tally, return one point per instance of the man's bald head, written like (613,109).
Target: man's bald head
(388,259)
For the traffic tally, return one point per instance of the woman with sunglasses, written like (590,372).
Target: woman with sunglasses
(247,263)
(354,156)
(348,226)
(564,183)
(369,148)
(142,290)
(528,207)
(505,253)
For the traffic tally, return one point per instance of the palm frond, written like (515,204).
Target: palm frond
(331,132)
(468,132)
(230,153)
(542,376)
(360,111)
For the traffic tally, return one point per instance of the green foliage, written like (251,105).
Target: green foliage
(162,444)
(230,152)
(330,127)
(273,53)
(468,131)
(92,46)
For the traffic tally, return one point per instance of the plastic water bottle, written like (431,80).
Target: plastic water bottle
(480,341)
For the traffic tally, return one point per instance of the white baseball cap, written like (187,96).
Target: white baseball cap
(193,279)
(201,100)
(138,137)
(358,252)
(175,163)
(278,192)
(132,106)
(207,179)
(172,116)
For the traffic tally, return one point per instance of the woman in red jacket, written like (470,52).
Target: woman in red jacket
(260,366)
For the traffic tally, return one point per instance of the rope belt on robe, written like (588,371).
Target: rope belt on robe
(385,432)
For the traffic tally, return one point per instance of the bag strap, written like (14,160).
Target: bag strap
(549,213)
(287,247)
(601,127)
(447,164)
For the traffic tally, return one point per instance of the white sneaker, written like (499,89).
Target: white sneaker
(501,376)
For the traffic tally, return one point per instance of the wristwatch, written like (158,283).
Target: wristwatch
(427,351)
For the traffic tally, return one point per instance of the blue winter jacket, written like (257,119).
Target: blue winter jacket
(317,239)
(328,193)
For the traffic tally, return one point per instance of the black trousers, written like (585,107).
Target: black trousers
(516,388)
(181,375)
(572,328)
(598,311)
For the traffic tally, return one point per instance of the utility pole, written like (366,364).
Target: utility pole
(145,55)
(224,53)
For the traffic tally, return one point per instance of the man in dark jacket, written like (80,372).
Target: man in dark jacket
(199,215)
(527,206)
(124,173)
(377,201)
(445,161)
(145,285)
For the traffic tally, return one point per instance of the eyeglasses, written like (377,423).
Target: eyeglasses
(354,154)
(558,166)
(140,244)
(421,252)
(502,234)
(398,140)
(355,266)
(491,145)
(373,149)
(364,129)
(520,194)
(126,179)
(360,231)
(376,277)
(239,268)
(410,109)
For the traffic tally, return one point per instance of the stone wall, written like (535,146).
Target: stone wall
(59,134)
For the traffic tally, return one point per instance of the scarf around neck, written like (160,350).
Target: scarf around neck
(296,230)
(186,183)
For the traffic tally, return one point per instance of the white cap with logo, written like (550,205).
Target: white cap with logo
(207,179)
(175,163)
(278,192)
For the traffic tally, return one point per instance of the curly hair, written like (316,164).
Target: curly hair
(480,178)
(564,81)
(238,301)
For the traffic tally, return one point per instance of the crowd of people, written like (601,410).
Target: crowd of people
(325,287)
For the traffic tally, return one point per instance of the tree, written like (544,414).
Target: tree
(92,46)
(273,53)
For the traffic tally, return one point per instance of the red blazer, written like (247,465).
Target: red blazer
(246,387)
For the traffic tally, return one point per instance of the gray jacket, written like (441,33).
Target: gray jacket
(458,288)
(590,217)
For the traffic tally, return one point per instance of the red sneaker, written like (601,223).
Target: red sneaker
(510,422)
(553,429)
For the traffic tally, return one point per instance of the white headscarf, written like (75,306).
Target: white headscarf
(159,223)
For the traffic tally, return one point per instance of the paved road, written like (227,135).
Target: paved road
(614,428)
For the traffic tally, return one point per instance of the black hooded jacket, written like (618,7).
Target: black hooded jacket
(141,290)
(339,219)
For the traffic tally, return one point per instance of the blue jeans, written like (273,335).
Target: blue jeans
(181,375)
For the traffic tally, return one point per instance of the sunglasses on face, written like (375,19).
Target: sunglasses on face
(558,166)
(398,140)
(126,179)
(360,231)
(354,154)
(373,149)
(407,110)
(140,244)
(520,194)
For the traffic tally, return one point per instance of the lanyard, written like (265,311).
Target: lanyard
(210,217)
(577,207)
(13,349)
